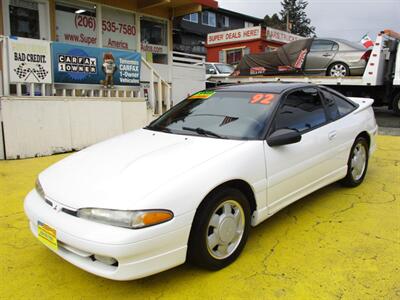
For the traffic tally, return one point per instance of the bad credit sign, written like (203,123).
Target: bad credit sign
(243,34)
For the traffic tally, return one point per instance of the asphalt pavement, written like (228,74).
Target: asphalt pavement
(388,121)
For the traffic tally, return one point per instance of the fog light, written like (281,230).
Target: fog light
(105,259)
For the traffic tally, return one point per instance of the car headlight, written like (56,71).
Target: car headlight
(126,218)
(39,189)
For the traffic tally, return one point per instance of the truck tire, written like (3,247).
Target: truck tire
(396,103)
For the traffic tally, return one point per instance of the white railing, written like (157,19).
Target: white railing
(159,92)
(186,58)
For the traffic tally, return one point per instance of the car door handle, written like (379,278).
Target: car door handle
(326,55)
(332,135)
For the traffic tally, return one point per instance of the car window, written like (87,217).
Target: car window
(210,69)
(235,115)
(302,110)
(331,107)
(337,106)
(225,69)
(323,45)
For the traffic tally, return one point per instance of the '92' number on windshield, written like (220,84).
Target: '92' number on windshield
(262,99)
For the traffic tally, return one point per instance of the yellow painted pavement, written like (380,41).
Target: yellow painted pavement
(337,243)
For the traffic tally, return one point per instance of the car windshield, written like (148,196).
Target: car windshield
(225,69)
(219,114)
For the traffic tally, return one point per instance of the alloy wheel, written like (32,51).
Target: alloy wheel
(338,70)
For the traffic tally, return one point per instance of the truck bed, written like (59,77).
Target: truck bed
(325,80)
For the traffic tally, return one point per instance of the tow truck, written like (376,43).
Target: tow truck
(380,81)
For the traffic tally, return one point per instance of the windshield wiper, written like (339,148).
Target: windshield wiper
(202,131)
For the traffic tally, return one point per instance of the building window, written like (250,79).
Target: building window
(24,19)
(208,18)
(153,40)
(225,21)
(234,56)
(248,24)
(76,23)
(118,29)
(194,18)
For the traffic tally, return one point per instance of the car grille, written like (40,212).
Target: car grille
(63,209)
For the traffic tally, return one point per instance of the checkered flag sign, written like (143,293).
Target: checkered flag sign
(40,72)
(22,71)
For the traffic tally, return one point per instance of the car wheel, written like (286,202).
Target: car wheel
(357,164)
(220,229)
(338,69)
(396,104)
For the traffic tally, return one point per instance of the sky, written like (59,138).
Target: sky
(347,19)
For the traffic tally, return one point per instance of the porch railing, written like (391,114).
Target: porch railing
(158,94)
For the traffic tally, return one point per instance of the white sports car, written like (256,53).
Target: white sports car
(191,184)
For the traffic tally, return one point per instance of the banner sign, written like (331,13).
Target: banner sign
(29,61)
(280,36)
(238,35)
(89,65)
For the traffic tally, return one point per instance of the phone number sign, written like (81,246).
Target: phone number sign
(119,30)
(117,27)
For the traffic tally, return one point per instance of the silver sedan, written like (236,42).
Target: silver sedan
(337,58)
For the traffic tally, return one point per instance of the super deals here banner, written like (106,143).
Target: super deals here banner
(89,65)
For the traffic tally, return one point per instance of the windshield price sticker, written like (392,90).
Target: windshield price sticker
(202,95)
(262,99)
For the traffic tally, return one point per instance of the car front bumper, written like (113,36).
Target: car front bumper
(138,252)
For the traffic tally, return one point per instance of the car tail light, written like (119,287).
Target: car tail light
(366,55)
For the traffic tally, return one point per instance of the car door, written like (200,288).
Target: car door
(296,170)
(321,55)
(342,131)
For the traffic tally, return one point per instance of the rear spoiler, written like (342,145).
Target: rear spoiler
(363,103)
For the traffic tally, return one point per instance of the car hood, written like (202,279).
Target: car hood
(120,172)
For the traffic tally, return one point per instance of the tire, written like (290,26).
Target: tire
(217,238)
(396,104)
(357,164)
(338,69)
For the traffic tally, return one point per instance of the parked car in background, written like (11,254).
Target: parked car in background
(336,57)
(191,184)
(218,69)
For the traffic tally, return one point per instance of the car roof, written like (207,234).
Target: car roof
(266,87)
(348,43)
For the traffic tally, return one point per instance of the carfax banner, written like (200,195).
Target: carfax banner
(29,60)
(88,65)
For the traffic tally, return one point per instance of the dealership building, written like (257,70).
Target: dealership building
(230,46)
(74,72)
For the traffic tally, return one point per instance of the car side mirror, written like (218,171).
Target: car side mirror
(211,71)
(283,137)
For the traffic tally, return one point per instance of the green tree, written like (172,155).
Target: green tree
(299,23)
(274,21)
